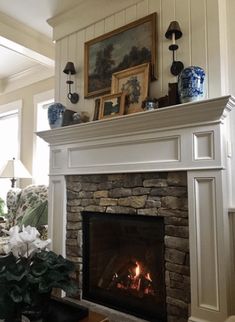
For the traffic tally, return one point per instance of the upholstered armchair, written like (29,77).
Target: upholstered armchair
(28,206)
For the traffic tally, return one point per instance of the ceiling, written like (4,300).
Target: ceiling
(14,60)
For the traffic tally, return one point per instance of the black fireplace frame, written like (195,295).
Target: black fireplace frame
(109,302)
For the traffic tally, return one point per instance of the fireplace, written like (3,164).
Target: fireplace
(196,138)
(120,226)
(123,263)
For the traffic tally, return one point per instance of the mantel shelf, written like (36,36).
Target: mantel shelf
(178,116)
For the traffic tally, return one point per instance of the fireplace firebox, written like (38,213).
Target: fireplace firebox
(123,263)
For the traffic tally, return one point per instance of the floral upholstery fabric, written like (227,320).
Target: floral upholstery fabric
(20,201)
(13,197)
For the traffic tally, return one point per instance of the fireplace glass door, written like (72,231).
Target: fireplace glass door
(123,263)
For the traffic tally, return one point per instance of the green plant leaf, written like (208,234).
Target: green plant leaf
(16,294)
(16,271)
(38,269)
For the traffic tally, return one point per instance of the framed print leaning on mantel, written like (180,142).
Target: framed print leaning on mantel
(112,105)
(134,82)
(125,47)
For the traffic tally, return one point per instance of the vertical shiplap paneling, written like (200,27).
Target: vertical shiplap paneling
(80,39)
(109,23)
(142,9)
(57,71)
(213,44)
(119,19)
(183,53)
(198,46)
(99,28)
(89,103)
(156,87)
(199,34)
(89,32)
(130,14)
(63,77)
(168,15)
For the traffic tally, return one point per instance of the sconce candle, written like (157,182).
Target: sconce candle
(173,33)
(173,38)
(70,70)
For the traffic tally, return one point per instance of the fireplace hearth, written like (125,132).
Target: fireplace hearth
(123,263)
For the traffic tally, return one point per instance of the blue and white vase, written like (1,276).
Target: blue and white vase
(191,84)
(55,115)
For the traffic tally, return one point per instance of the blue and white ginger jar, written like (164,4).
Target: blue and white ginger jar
(55,115)
(191,84)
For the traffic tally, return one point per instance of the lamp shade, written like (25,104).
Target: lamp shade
(69,68)
(14,169)
(174,27)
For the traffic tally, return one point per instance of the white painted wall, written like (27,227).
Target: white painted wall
(200,44)
(26,94)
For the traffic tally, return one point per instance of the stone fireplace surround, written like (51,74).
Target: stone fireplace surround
(144,194)
(192,137)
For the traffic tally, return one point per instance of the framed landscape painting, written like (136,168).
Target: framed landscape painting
(125,47)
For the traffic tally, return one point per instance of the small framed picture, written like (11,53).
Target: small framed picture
(97,109)
(134,82)
(112,105)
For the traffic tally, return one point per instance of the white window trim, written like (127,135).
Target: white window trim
(44,97)
(17,106)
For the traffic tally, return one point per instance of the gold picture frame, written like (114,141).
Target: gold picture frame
(112,105)
(134,82)
(122,48)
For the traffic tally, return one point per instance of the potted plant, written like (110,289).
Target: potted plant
(28,273)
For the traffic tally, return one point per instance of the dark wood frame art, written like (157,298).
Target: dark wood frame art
(152,18)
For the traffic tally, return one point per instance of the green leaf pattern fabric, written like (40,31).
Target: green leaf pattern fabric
(31,200)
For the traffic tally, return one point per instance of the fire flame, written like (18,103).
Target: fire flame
(137,270)
(148,277)
(138,280)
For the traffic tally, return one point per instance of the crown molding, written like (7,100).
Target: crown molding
(85,14)
(26,37)
(27,77)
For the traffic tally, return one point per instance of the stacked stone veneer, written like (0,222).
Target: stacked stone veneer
(154,194)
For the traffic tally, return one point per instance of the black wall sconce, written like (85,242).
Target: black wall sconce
(174,32)
(70,70)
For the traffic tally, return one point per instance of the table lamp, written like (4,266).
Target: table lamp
(14,169)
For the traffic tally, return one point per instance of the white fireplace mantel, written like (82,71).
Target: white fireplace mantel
(193,137)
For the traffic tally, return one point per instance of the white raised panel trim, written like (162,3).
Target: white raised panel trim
(56,159)
(208,219)
(57,213)
(205,217)
(232,255)
(155,150)
(203,143)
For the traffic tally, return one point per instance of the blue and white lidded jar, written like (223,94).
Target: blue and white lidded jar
(55,115)
(191,84)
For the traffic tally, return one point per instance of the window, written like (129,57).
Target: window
(41,150)
(10,139)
